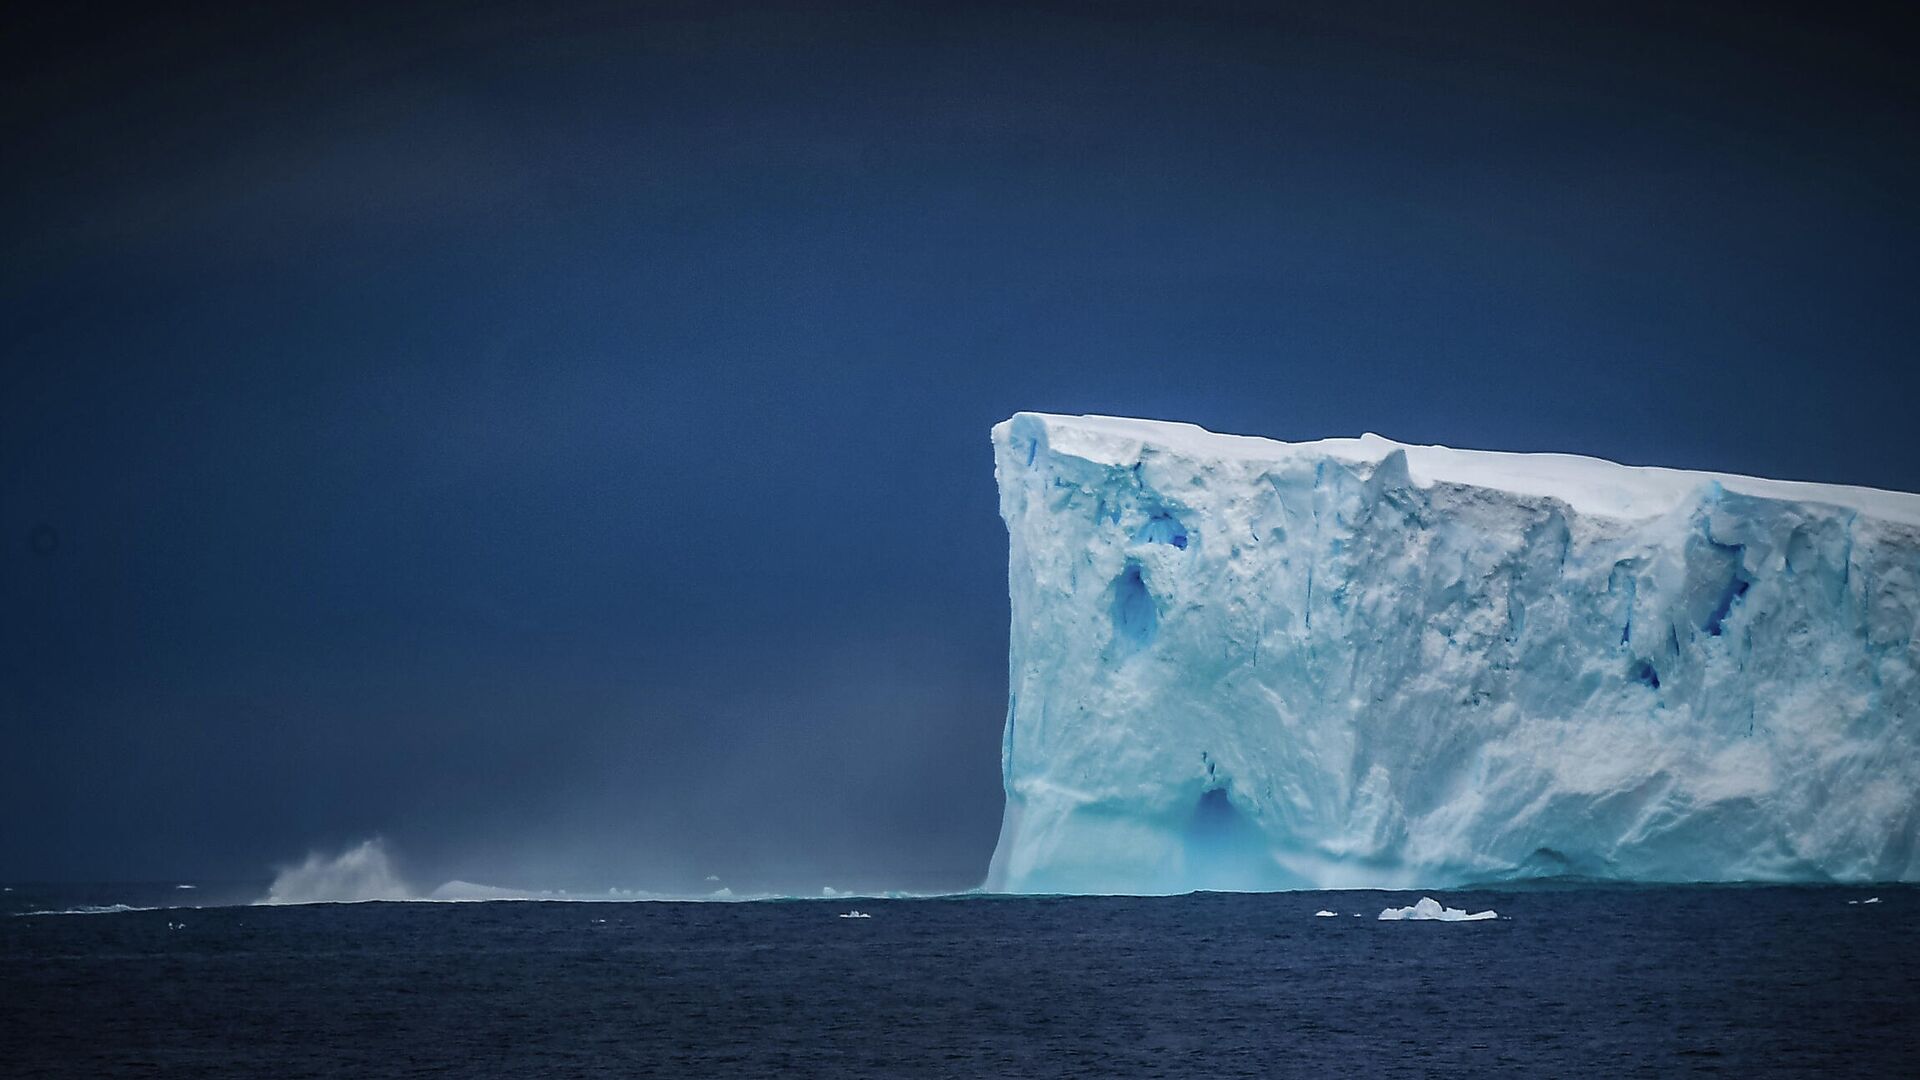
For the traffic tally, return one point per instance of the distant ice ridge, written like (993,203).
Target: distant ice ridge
(1245,664)
(1429,909)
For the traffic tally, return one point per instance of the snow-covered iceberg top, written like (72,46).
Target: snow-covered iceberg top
(1427,908)
(1237,663)
(1588,485)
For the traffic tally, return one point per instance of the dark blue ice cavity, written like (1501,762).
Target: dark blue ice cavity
(1214,816)
(1163,528)
(1645,672)
(1222,849)
(1134,619)
(1736,587)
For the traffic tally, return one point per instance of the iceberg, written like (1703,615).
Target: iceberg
(1427,908)
(1242,664)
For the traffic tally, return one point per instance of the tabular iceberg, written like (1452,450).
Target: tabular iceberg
(1245,664)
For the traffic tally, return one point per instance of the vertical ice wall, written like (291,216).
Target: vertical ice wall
(1244,664)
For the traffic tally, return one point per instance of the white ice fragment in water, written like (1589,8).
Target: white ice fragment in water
(856,913)
(1323,913)
(1429,909)
(1868,900)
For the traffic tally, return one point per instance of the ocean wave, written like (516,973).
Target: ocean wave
(87,909)
(360,873)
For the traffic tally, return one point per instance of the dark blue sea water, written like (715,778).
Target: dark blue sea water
(1592,982)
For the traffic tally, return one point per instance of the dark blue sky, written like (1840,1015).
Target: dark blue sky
(558,442)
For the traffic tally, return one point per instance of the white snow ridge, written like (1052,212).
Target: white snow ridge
(1245,664)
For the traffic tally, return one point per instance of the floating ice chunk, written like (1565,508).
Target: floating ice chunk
(458,891)
(855,914)
(1868,900)
(1429,909)
(1323,913)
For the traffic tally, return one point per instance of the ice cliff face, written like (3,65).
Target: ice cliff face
(1245,664)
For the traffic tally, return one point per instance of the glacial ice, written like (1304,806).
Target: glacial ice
(1244,664)
(1429,909)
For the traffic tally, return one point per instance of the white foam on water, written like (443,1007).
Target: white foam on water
(360,873)
(90,909)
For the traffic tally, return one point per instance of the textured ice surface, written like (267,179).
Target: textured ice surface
(1429,909)
(1244,664)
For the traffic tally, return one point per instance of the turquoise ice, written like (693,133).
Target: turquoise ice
(1245,664)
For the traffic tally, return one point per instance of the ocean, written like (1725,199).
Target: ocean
(1577,981)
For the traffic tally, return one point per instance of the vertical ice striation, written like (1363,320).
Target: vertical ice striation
(1245,664)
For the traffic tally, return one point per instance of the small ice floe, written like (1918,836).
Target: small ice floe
(1868,900)
(176,926)
(186,886)
(1429,908)
(856,913)
(1323,913)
